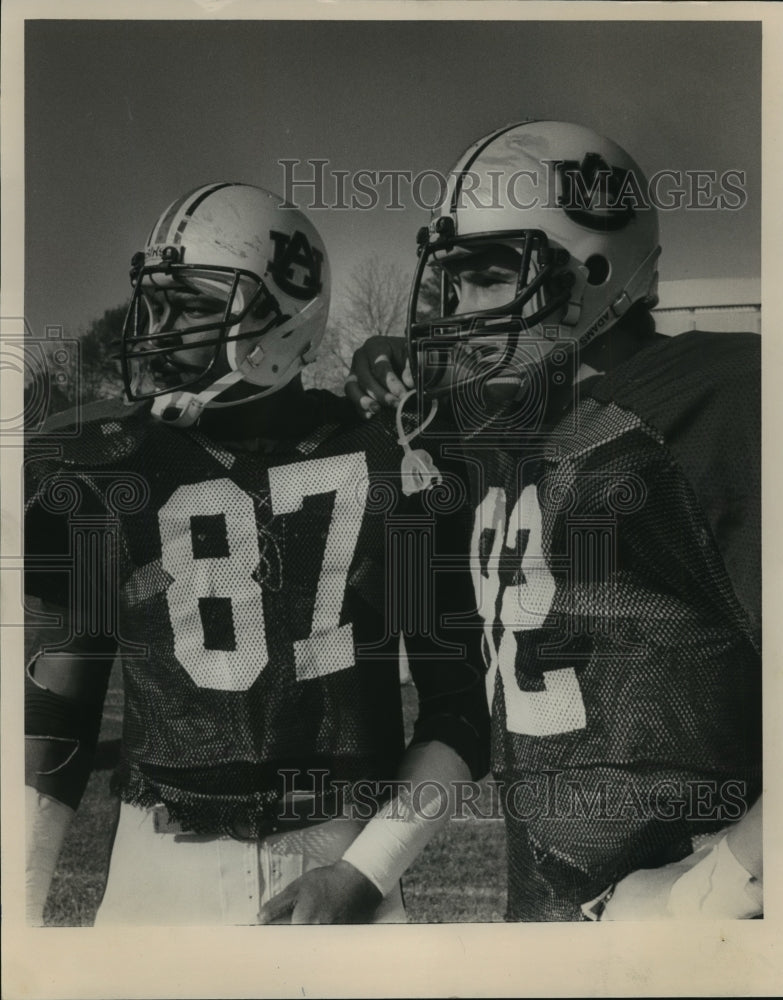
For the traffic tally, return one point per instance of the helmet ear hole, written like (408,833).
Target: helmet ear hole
(597,269)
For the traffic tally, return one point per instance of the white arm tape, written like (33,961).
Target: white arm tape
(47,822)
(717,887)
(394,838)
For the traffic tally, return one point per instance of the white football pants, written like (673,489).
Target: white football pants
(174,879)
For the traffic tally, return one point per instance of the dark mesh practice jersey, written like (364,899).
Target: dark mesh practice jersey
(616,561)
(261,597)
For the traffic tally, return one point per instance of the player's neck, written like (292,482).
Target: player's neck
(261,424)
(621,342)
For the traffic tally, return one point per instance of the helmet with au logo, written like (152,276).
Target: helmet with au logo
(545,239)
(230,301)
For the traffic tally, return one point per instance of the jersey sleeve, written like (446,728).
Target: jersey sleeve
(718,446)
(66,535)
(46,541)
(444,651)
(64,464)
(701,392)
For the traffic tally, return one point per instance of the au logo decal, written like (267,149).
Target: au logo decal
(597,196)
(296,265)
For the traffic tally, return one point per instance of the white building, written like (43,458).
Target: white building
(709,304)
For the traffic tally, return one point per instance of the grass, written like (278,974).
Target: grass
(459,877)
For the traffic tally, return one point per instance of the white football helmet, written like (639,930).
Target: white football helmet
(550,228)
(230,302)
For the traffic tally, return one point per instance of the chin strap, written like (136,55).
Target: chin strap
(640,286)
(186,407)
(418,470)
(183,409)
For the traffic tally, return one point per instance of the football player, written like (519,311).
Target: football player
(616,546)
(245,546)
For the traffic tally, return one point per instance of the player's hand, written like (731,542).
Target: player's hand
(645,894)
(335,894)
(710,884)
(380,374)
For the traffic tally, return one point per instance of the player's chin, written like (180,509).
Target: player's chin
(171,378)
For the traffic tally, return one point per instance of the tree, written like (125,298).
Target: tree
(100,346)
(374,303)
(60,375)
(45,394)
(334,360)
(376,297)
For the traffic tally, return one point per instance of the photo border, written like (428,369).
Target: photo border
(467,960)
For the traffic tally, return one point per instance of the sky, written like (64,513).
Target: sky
(121,117)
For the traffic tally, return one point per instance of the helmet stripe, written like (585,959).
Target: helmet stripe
(166,220)
(195,204)
(195,197)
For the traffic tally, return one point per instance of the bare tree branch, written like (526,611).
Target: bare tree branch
(375,302)
(376,298)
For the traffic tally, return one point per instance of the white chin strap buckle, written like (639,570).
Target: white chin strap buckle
(186,407)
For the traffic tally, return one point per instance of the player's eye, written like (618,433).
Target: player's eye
(489,278)
(199,309)
(199,312)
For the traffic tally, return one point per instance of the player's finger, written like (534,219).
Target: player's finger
(363,368)
(363,377)
(383,370)
(365,404)
(407,375)
(390,357)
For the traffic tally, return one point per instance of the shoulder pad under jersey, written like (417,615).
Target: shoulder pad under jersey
(98,433)
(697,361)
